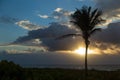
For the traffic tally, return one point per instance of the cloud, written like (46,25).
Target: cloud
(48,35)
(110,40)
(58,9)
(111,9)
(105,48)
(8,20)
(34,44)
(106,4)
(19,48)
(61,14)
(58,14)
(54,30)
(13,51)
(109,35)
(43,16)
(26,24)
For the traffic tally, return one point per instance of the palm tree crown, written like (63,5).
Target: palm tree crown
(86,20)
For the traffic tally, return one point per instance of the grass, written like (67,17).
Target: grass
(69,74)
(12,71)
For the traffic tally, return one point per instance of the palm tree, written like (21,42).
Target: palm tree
(86,19)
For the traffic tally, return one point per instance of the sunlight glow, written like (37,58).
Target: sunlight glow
(81,51)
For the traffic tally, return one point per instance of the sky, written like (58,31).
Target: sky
(14,11)
(31,26)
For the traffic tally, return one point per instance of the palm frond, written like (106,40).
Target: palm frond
(68,35)
(96,19)
(92,14)
(89,9)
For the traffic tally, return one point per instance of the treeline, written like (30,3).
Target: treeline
(12,71)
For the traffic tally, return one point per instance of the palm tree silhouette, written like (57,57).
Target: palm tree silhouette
(86,19)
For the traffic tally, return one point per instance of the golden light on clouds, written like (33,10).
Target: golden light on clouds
(99,49)
(80,51)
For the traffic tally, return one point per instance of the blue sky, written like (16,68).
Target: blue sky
(29,10)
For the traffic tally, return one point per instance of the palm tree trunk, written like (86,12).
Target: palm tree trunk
(86,63)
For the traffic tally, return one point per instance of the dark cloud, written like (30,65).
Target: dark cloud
(108,5)
(48,37)
(8,20)
(108,40)
(111,8)
(109,35)
(54,30)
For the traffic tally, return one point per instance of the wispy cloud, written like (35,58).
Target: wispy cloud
(58,14)
(43,16)
(58,9)
(61,14)
(16,49)
(26,24)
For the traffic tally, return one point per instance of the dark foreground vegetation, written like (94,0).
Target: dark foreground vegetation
(11,71)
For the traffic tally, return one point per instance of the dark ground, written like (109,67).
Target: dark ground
(11,71)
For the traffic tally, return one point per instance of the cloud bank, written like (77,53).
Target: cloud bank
(48,36)
(110,41)
(109,35)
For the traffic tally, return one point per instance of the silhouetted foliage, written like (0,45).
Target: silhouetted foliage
(11,71)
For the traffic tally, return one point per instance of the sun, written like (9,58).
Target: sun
(81,51)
